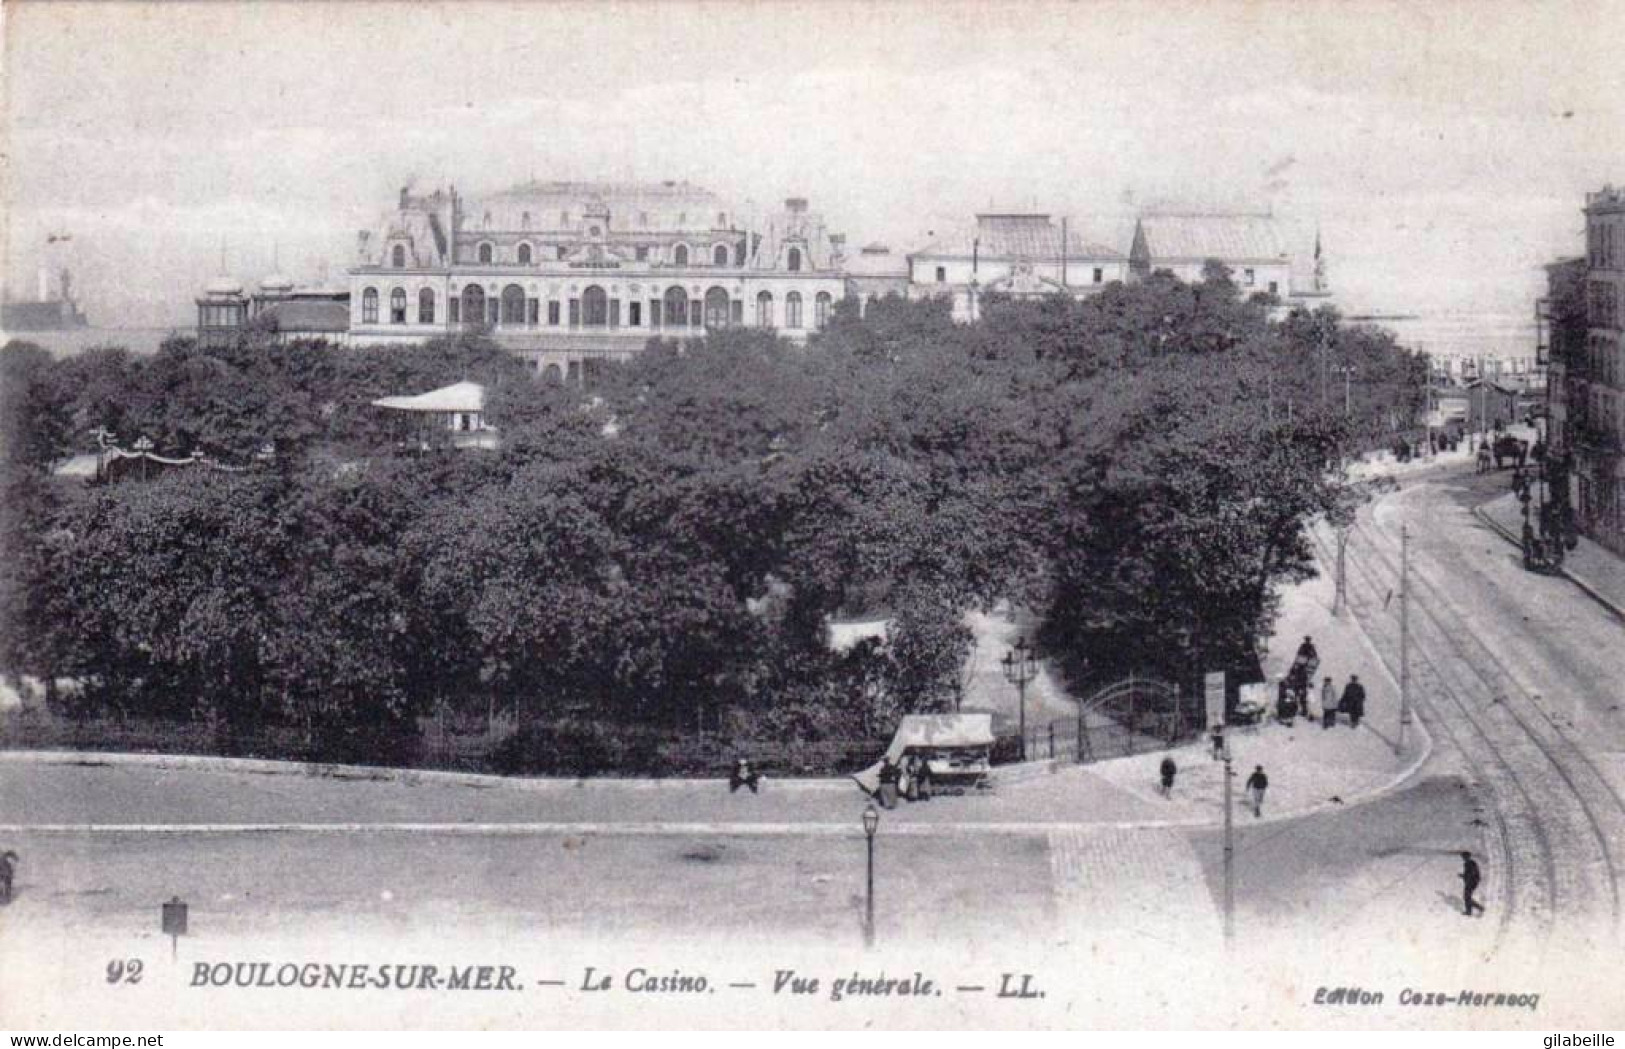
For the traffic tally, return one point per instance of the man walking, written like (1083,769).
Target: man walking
(1328,704)
(1354,700)
(1470,877)
(1168,770)
(1257,783)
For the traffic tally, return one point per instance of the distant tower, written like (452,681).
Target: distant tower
(1320,266)
(222,310)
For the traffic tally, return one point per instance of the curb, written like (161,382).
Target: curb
(380,773)
(1580,581)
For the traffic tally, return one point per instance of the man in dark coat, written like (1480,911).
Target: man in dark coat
(1168,770)
(1470,877)
(1257,783)
(1353,701)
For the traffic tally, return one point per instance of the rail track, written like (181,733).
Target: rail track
(1558,823)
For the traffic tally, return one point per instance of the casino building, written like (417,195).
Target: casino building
(567,274)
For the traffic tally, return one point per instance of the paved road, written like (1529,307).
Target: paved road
(1519,675)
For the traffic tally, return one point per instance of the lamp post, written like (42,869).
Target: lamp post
(1021,666)
(871,823)
(144,446)
(1229,853)
(1347,370)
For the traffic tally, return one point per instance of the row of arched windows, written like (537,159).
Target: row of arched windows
(595,308)
(525,255)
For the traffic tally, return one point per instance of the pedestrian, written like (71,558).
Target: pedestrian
(922,778)
(1257,783)
(1328,704)
(890,774)
(1216,737)
(1470,878)
(8,868)
(1353,703)
(743,775)
(1169,769)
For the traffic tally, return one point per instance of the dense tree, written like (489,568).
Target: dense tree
(669,547)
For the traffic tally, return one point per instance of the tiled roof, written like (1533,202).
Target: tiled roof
(309,315)
(1018,237)
(876,264)
(1212,236)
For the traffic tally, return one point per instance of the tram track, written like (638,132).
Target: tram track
(1559,824)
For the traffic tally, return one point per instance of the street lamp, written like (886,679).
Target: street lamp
(1021,666)
(144,446)
(1346,370)
(871,823)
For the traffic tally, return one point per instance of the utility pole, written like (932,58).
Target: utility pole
(1229,855)
(1340,602)
(1404,636)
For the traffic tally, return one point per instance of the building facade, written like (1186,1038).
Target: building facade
(1021,254)
(277,311)
(568,274)
(1251,245)
(1583,318)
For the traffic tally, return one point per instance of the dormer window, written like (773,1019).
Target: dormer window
(486,253)
(564,218)
(719,257)
(595,231)
(793,262)
(397,257)
(487,218)
(524,254)
(679,256)
(722,220)
(643,220)
(524,220)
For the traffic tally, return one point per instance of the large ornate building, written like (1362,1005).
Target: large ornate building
(1583,323)
(567,274)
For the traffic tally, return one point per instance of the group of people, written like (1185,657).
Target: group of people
(910,778)
(1293,697)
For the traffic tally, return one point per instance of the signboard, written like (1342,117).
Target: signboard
(1213,694)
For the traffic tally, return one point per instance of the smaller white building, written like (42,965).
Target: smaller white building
(1251,245)
(1021,254)
(452,415)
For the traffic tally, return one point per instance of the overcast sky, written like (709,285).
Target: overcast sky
(1443,149)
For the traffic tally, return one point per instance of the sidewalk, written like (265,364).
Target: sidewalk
(1593,568)
(1309,767)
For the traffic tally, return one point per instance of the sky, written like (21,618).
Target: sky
(1442,149)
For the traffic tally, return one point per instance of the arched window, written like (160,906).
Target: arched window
(485,253)
(524,254)
(764,310)
(794,260)
(513,304)
(473,305)
(719,257)
(369,306)
(676,308)
(397,306)
(397,257)
(426,306)
(792,310)
(680,255)
(821,310)
(716,308)
(594,307)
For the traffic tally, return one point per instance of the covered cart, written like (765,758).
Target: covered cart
(957,748)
